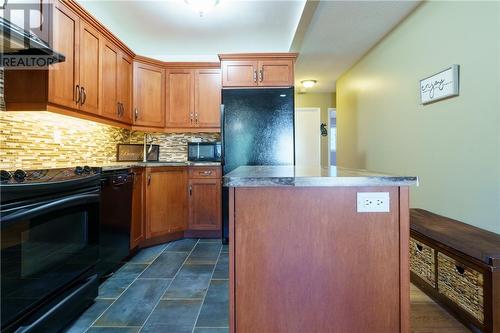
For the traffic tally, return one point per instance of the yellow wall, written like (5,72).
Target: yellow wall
(322,101)
(452,145)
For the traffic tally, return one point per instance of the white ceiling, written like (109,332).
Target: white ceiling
(173,31)
(333,38)
(340,33)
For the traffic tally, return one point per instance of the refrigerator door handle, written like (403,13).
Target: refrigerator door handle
(222,118)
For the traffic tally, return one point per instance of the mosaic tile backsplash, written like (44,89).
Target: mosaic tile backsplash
(39,139)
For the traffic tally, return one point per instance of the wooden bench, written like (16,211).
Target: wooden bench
(458,265)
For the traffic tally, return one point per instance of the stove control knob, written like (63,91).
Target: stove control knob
(78,170)
(87,169)
(19,175)
(5,175)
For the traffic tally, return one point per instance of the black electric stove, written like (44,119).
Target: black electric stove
(49,223)
(22,184)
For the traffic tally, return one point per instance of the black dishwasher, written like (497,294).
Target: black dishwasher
(116,211)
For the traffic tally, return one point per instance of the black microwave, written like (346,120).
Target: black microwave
(204,151)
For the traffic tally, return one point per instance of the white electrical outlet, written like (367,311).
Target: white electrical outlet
(373,202)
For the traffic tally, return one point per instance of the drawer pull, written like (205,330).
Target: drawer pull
(460,270)
(419,247)
(205,173)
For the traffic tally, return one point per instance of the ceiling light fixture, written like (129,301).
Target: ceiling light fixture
(308,83)
(202,6)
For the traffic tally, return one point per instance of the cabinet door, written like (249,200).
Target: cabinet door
(90,68)
(239,73)
(149,95)
(275,73)
(180,98)
(63,76)
(109,95)
(125,87)
(137,224)
(166,207)
(204,204)
(207,97)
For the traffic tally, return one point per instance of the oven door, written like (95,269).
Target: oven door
(46,245)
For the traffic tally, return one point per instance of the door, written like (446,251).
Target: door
(90,46)
(166,201)
(207,96)
(124,94)
(137,223)
(149,92)
(204,204)
(63,76)
(110,106)
(180,98)
(307,137)
(275,73)
(239,73)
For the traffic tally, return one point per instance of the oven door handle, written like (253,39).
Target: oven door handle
(50,207)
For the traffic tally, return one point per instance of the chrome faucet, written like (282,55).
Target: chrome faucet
(147,151)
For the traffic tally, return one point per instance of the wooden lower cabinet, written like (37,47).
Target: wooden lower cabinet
(138,200)
(166,201)
(204,204)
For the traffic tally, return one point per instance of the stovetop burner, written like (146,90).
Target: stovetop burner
(46,175)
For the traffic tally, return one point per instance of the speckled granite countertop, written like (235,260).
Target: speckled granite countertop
(265,176)
(125,165)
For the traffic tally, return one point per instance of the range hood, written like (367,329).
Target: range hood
(16,41)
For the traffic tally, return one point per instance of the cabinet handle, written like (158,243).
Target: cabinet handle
(205,173)
(78,96)
(122,109)
(136,113)
(190,190)
(196,117)
(84,96)
(460,270)
(255,76)
(261,75)
(191,117)
(118,109)
(149,180)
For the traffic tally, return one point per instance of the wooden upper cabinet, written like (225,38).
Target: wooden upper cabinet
(110,106)
(275,73)
(207,97)
(124,93)
(90,68)
(239,73)
(166,201)
(258,69)
(149,95)
(63,76)
(116,84)
(180,98)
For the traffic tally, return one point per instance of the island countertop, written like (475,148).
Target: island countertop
(271,176)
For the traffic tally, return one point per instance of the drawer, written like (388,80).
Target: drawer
(461,284)
(422,261)
(204,172)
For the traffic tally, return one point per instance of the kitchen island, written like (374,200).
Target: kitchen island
(307,256)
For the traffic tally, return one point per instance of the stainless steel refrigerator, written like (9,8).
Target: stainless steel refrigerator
(257,129)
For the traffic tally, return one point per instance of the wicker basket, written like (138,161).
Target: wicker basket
(462,285)
(422,261)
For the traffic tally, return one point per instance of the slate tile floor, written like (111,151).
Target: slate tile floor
(176,287)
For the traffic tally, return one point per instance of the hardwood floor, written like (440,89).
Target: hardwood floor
(428,317)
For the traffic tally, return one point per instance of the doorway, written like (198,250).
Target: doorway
(307,137)
(332,136)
